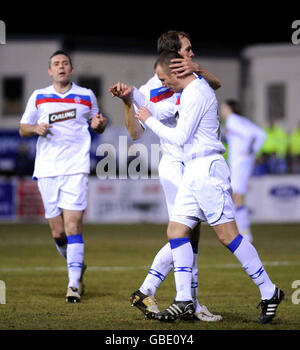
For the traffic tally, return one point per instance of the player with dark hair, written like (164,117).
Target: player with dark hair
(60,52)
(205,191)
(164,103)
(60,115)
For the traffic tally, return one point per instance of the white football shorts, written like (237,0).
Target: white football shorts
(170,173)
(63,192)
(205,189)
(241,171)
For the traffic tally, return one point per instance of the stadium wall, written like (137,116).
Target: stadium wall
(271,199)
(272,83)
(27,59)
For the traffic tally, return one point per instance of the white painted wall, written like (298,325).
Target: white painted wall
(274,64)
(30,60)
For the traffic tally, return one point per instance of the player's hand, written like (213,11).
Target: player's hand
(122,91)
(183,66)
(42,129)
(98,123)
(143,114)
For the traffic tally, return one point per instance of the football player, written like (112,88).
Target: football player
(164,103)
(60,115)
(205,190)
(244,139)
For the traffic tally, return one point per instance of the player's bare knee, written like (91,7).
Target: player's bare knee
(226,237)
(73,227)
(57,231)
(177,230)
(73,222)
(223,238)
(57,227)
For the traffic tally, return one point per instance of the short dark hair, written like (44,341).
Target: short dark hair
(165,58)
(170,41)
(60,52)
(234,105)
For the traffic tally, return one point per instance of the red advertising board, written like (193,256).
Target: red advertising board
(29,201)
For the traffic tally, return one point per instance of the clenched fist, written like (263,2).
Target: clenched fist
(98,123)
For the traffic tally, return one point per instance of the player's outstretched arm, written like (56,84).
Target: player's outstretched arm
(133,126)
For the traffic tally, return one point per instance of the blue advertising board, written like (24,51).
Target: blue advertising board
(7,199)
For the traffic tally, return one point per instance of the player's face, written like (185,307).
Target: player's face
(168,79)
(186,47)
(60,69)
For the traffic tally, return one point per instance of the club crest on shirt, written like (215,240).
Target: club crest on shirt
(77,99)
(62,116)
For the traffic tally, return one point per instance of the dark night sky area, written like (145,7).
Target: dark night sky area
(219,27)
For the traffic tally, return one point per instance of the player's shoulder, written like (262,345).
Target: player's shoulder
(236,119)
(200,89)
(44,90)
(204,87)
(242,119)
(152,83)
(242,122)
(81,90)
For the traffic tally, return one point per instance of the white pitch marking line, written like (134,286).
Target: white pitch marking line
(127,268)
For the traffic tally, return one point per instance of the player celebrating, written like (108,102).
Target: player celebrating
(244,140)
(60,114)
(205,190)
(164,103)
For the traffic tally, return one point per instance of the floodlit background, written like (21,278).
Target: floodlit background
(255,53)
(255,57)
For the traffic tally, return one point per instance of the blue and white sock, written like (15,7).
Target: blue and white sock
(182,253)
(75,253)
(61,246)
(160,268)
(248,257)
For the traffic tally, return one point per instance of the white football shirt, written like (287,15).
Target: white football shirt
(65,150)
(244,138)
(163,104)
(198,127)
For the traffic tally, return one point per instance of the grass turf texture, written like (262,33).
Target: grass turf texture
(118,257)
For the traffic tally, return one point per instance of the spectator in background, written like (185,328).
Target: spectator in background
(294,151)
(276,147)
(261,165)
(24,164)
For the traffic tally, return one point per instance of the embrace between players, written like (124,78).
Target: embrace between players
(179,105)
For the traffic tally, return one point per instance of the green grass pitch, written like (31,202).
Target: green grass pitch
(118,257)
